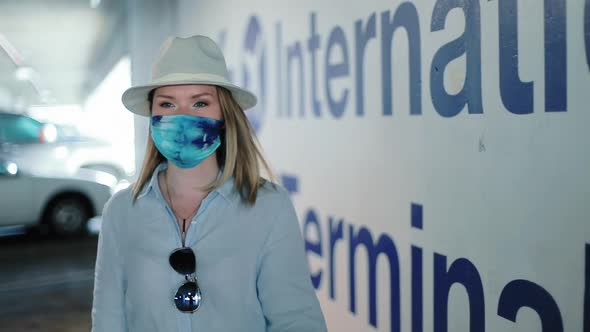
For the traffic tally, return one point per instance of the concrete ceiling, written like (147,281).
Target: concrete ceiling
(64,42)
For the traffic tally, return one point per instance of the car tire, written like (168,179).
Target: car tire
(68,216)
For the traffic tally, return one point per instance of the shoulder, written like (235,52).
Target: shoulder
(272,202)
(114,216)
(120,202)
(121,198)
(273,195)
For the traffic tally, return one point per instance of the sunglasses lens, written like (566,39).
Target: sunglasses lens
(188,297)
(183,261)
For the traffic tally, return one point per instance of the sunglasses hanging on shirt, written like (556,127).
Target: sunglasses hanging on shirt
(188,297)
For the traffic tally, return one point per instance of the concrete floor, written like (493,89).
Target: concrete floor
(46,283)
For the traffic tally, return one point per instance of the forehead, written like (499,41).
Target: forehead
(186,89)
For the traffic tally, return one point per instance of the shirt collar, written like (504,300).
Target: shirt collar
(225,189)
(153,180)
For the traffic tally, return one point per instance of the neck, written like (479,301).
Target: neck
(192,180)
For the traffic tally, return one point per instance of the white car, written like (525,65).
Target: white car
(63,204)
(45,148)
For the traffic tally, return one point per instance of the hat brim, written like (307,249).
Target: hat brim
(136,100)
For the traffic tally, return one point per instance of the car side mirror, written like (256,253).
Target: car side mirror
(8,169)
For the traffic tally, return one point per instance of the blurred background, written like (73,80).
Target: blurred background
(436,151)
(66,144)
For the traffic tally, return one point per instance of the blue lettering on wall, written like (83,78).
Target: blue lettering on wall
(290,183)
(254,46)
(336,234)
(313,44)
(279,69)
(517,96)
(515,295)
(587,288)
(417,286)
(405,16)
(462,272)
(523,293)
(417,279)
(468,43)
(384,246)
(295,56)
(587,31)
(362,37)
(336,70)
(555,57)
(315,247)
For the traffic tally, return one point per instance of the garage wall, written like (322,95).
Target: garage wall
(436,151)
(150,23)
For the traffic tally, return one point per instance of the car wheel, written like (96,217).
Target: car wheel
(68,216)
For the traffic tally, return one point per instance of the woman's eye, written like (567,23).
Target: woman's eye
(200,104)
(166,104)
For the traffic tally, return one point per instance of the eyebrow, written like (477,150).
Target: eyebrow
(192,97)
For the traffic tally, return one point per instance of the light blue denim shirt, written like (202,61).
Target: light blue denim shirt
(251,265)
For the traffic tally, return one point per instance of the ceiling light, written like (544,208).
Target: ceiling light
(24,73)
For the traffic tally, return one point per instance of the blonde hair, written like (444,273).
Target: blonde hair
(239,154)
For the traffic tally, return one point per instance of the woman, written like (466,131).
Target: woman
(200,242)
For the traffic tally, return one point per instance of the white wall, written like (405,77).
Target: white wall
(504,196)
(150,23)
(103,109)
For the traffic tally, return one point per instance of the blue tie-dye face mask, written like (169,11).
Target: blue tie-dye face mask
(186,140)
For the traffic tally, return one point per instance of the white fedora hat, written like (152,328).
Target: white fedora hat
(192,60)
